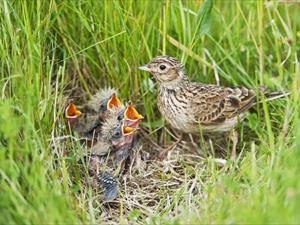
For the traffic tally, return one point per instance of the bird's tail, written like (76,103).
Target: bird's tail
(108,184)
(275,95)
(271,96)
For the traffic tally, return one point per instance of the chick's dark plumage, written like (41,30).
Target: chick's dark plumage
(110,156)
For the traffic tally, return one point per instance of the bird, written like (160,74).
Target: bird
(117,131)
(192,107)
(107,159)
(81,123)
(88,122)
(110,156)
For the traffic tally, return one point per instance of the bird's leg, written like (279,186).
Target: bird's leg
(164,152)
(192,141)
(176,134)
(234,138)
(195,147)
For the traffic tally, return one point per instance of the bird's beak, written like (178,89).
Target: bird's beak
(131,116)
(131,113)
(127,130)
(145,68)
(127,137)
(71,111)
(113,102)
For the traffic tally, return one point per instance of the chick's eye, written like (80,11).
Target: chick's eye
(102,106)
(117,134)
(162,67)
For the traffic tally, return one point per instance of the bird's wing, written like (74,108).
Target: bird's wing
(87,124)
(214,104)
(108,184)
(100,149)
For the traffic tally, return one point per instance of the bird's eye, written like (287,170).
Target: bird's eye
(117,134)
(162,67)
(102,107)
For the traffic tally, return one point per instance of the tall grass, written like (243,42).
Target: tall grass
(53,49)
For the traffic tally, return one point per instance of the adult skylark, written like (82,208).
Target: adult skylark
(190,106)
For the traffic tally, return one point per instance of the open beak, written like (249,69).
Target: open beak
(113,102)
(71,111)
(145,68)
(127,130)
(131,116)
(127,133)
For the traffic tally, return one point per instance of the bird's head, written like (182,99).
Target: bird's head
(131,116)
(71,113)
(167,70)
(107,105)
(116,132)
(122,135)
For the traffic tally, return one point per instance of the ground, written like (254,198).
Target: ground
(53,50)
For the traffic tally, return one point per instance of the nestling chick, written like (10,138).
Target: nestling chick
(81,123)
(102,102)
(117,131)
(111,155)
(108,158)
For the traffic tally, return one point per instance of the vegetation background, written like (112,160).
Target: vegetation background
(53,49)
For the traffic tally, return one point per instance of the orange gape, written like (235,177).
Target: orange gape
(127,130)
(114,101)
(132,114)
(71,111)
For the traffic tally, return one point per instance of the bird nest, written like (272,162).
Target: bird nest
(152,185)
(149,185)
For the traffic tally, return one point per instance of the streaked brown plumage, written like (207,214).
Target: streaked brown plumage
(191,107)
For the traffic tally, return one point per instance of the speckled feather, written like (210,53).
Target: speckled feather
(190,106)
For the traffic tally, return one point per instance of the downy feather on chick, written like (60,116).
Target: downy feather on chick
(103,100)
(108,158)
(88,123)
(84,125)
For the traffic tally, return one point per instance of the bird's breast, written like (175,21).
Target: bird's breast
(173,105)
